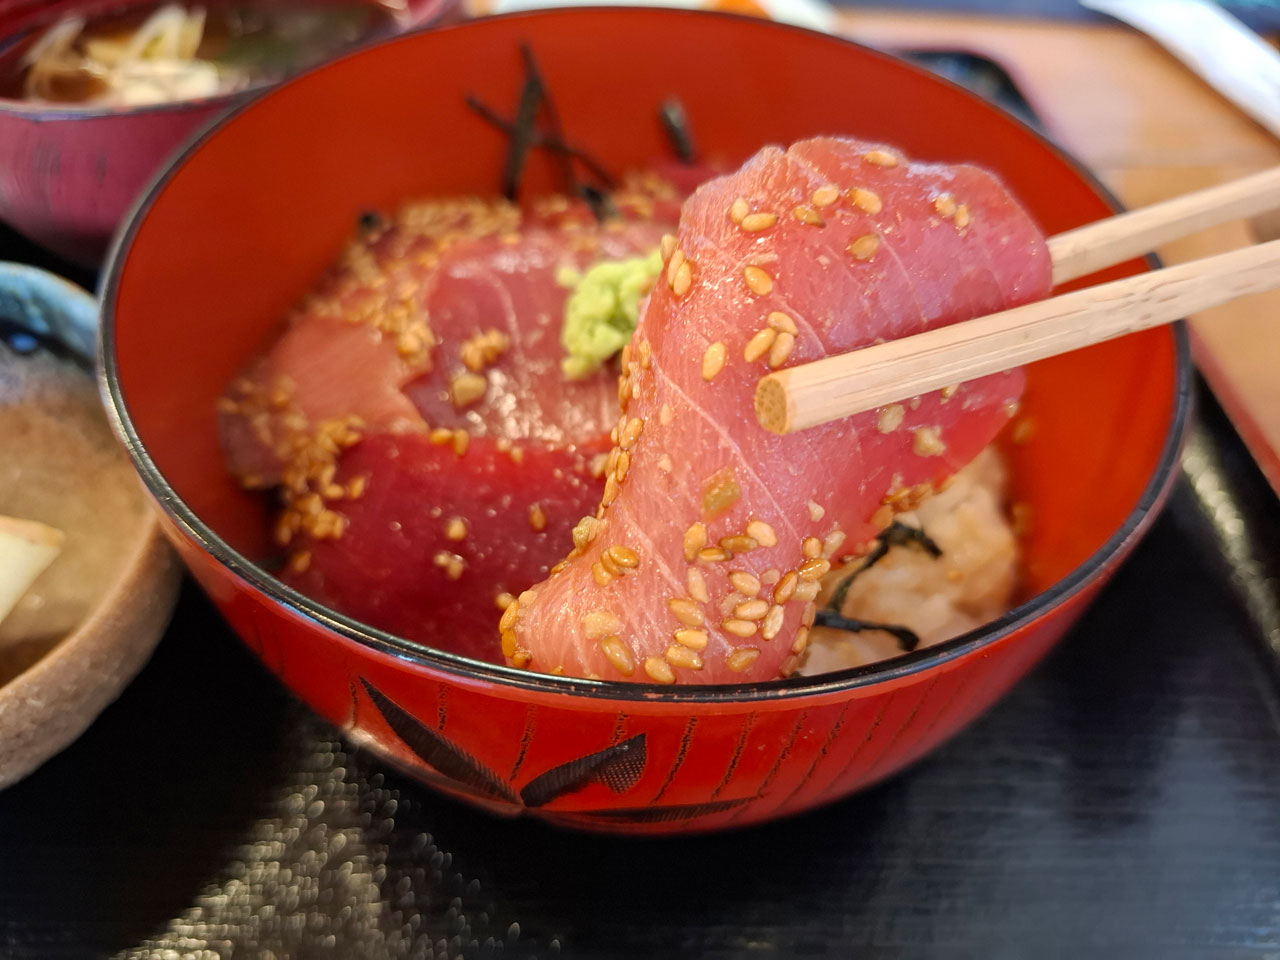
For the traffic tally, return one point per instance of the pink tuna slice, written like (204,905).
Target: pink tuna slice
(380,338)
(704,556)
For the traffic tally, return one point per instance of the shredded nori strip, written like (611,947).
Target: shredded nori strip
(897,534)
(370,221)
(522,131)
(551,117)
(676,122)
(545,142)
(907,639)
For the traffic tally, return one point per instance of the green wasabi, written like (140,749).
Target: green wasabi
(602,312)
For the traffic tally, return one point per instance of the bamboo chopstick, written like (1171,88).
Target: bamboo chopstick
(845,384)
(1096,245)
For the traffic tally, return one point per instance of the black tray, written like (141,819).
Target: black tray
(1122,802)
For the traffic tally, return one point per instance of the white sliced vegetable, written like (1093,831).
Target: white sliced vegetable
(27,547)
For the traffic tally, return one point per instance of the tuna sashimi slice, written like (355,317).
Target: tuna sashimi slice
(447,317)
(432,541)
(703,560)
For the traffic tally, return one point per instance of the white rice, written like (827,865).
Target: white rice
(970,584)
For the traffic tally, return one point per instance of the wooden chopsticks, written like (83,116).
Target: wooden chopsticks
(845,384)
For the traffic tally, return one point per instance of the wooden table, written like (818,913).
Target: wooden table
(1150,129)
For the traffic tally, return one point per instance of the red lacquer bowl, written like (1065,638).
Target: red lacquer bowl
(259,206)
(68,175)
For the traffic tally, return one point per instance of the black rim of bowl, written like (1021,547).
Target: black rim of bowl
(908,664)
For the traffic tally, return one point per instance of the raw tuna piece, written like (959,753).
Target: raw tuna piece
(705,556)
(382,338)
(433,539)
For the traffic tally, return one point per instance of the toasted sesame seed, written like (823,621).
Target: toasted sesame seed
(452,564)
(584,531)
(832,542)
(618,655)
(624,556)
(508,643)
(759,344)
(945,205)
(826,195)
(816,511)
(503,600)
(815,568)
(751,609)
(509,612)
(739,543)
(758,281)
(745,583)
(611,565)
(949,391)
(668,246)
(868,201)
(962,216)
(882,517)
(865,246)
(782,323)
(631,432)
(441,435)
(890,418)
(762,533)
(645,352)
(521,659)
(810,611)
(781,350)
(806,214)
(713,360)
(467,388)
(666,415)
(693,639)
(756,222)
(623,466)
(357,486)
(806,590)
(600,574)
(659,670)
(455,529)
(517,455)
(811,547)
(742,658)
(772,623)
(697,585)
(801,641)
(674,264)
(686,611)
(927,442)
(881,158)
(695,538)
(600,623)
(300,561)
(683,281)
(740,628)
(713,555)
(679,656)
(461,440)
(739,209)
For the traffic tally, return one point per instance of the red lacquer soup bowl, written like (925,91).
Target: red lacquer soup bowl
(69,174)
(258,207)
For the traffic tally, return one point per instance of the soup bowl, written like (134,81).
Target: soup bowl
(240,225)
(68,174)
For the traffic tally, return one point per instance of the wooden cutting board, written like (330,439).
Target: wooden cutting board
(1150,129)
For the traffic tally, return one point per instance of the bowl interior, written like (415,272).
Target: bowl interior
(257,209)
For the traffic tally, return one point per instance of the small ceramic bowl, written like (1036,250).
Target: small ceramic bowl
(91,620)
(257,208)
(68,175)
